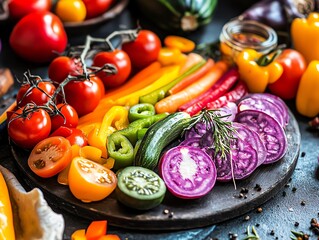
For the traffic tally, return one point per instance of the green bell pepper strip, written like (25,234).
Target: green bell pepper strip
(131,132)
(161,93)
(120,149)
(141,110)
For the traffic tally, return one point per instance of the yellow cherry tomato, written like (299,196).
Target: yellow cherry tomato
(71,10)
(90,181)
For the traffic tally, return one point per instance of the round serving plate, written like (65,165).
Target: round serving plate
(222,203)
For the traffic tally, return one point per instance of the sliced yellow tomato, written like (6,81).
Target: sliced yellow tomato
(90,181)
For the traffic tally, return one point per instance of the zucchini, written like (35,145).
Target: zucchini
(180,15)
(158,136)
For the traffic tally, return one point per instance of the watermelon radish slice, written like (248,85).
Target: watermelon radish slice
(188,172)
(269,130)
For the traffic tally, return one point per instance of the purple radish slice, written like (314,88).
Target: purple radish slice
(277,100)
(252,137)
(239,164)
(188,172)
(193,142)
(269,130)
(263,105)
(198,130)
(229,111)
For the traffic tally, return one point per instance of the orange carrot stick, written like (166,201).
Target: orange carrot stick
(173,102)
(193,77)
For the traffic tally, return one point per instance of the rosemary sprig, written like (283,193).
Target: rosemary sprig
(252,234)
(222,130)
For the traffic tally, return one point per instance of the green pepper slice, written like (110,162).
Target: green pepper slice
(120,149)
(141,110)
(131,132)
(140,188)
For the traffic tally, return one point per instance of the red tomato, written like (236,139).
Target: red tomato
(122,63)
(50,156)
(69,119)
(21,8)
(38,37)
(144,49)
(294,65)
(95,8)
(84,96)
(73,135)
(39,94)
(27,131)
(61,67)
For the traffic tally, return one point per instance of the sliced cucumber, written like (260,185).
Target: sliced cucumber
(140,188)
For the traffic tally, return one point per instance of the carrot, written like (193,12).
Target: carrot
(143,78)
(173,102)
(192,78)
(4,115)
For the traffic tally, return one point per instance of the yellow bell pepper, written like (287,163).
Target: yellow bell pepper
(6,219)
(170,73)
(256,76)
(307,99)
(114,119)
(305,36)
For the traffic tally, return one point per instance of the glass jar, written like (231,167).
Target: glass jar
(237,35)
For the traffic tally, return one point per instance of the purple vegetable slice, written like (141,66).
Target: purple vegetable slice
(229,111)
(270,132)
(253,138)
(198,130)
(277,100)
(239,164)
(188,172)
(263,105)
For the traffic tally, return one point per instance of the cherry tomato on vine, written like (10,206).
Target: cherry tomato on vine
(38,37)
(294,65)
(95,8)
(71,10)
(20,8)
(61,67)
(144,49)
(90,181)
(50,156)
(122,63)
(85,95)
(69,119)
(39,93)
(26,130)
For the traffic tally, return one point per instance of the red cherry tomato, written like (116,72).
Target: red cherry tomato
(95,8)
(294,65)
(69,119)
(50,156)
(61,67)
(122,63)
(84,96)
(26,131)
(73,135)
(144,49)
(21,8)
(38,94)
(38,37)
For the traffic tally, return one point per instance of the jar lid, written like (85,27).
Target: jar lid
(246,27)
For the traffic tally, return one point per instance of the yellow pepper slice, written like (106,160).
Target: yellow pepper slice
(307,99)
(303,30)
(114,119)
(255,76)
(6,219)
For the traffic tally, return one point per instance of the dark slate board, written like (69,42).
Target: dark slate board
(221,204)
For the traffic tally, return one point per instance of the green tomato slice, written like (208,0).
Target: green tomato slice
(140,188)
